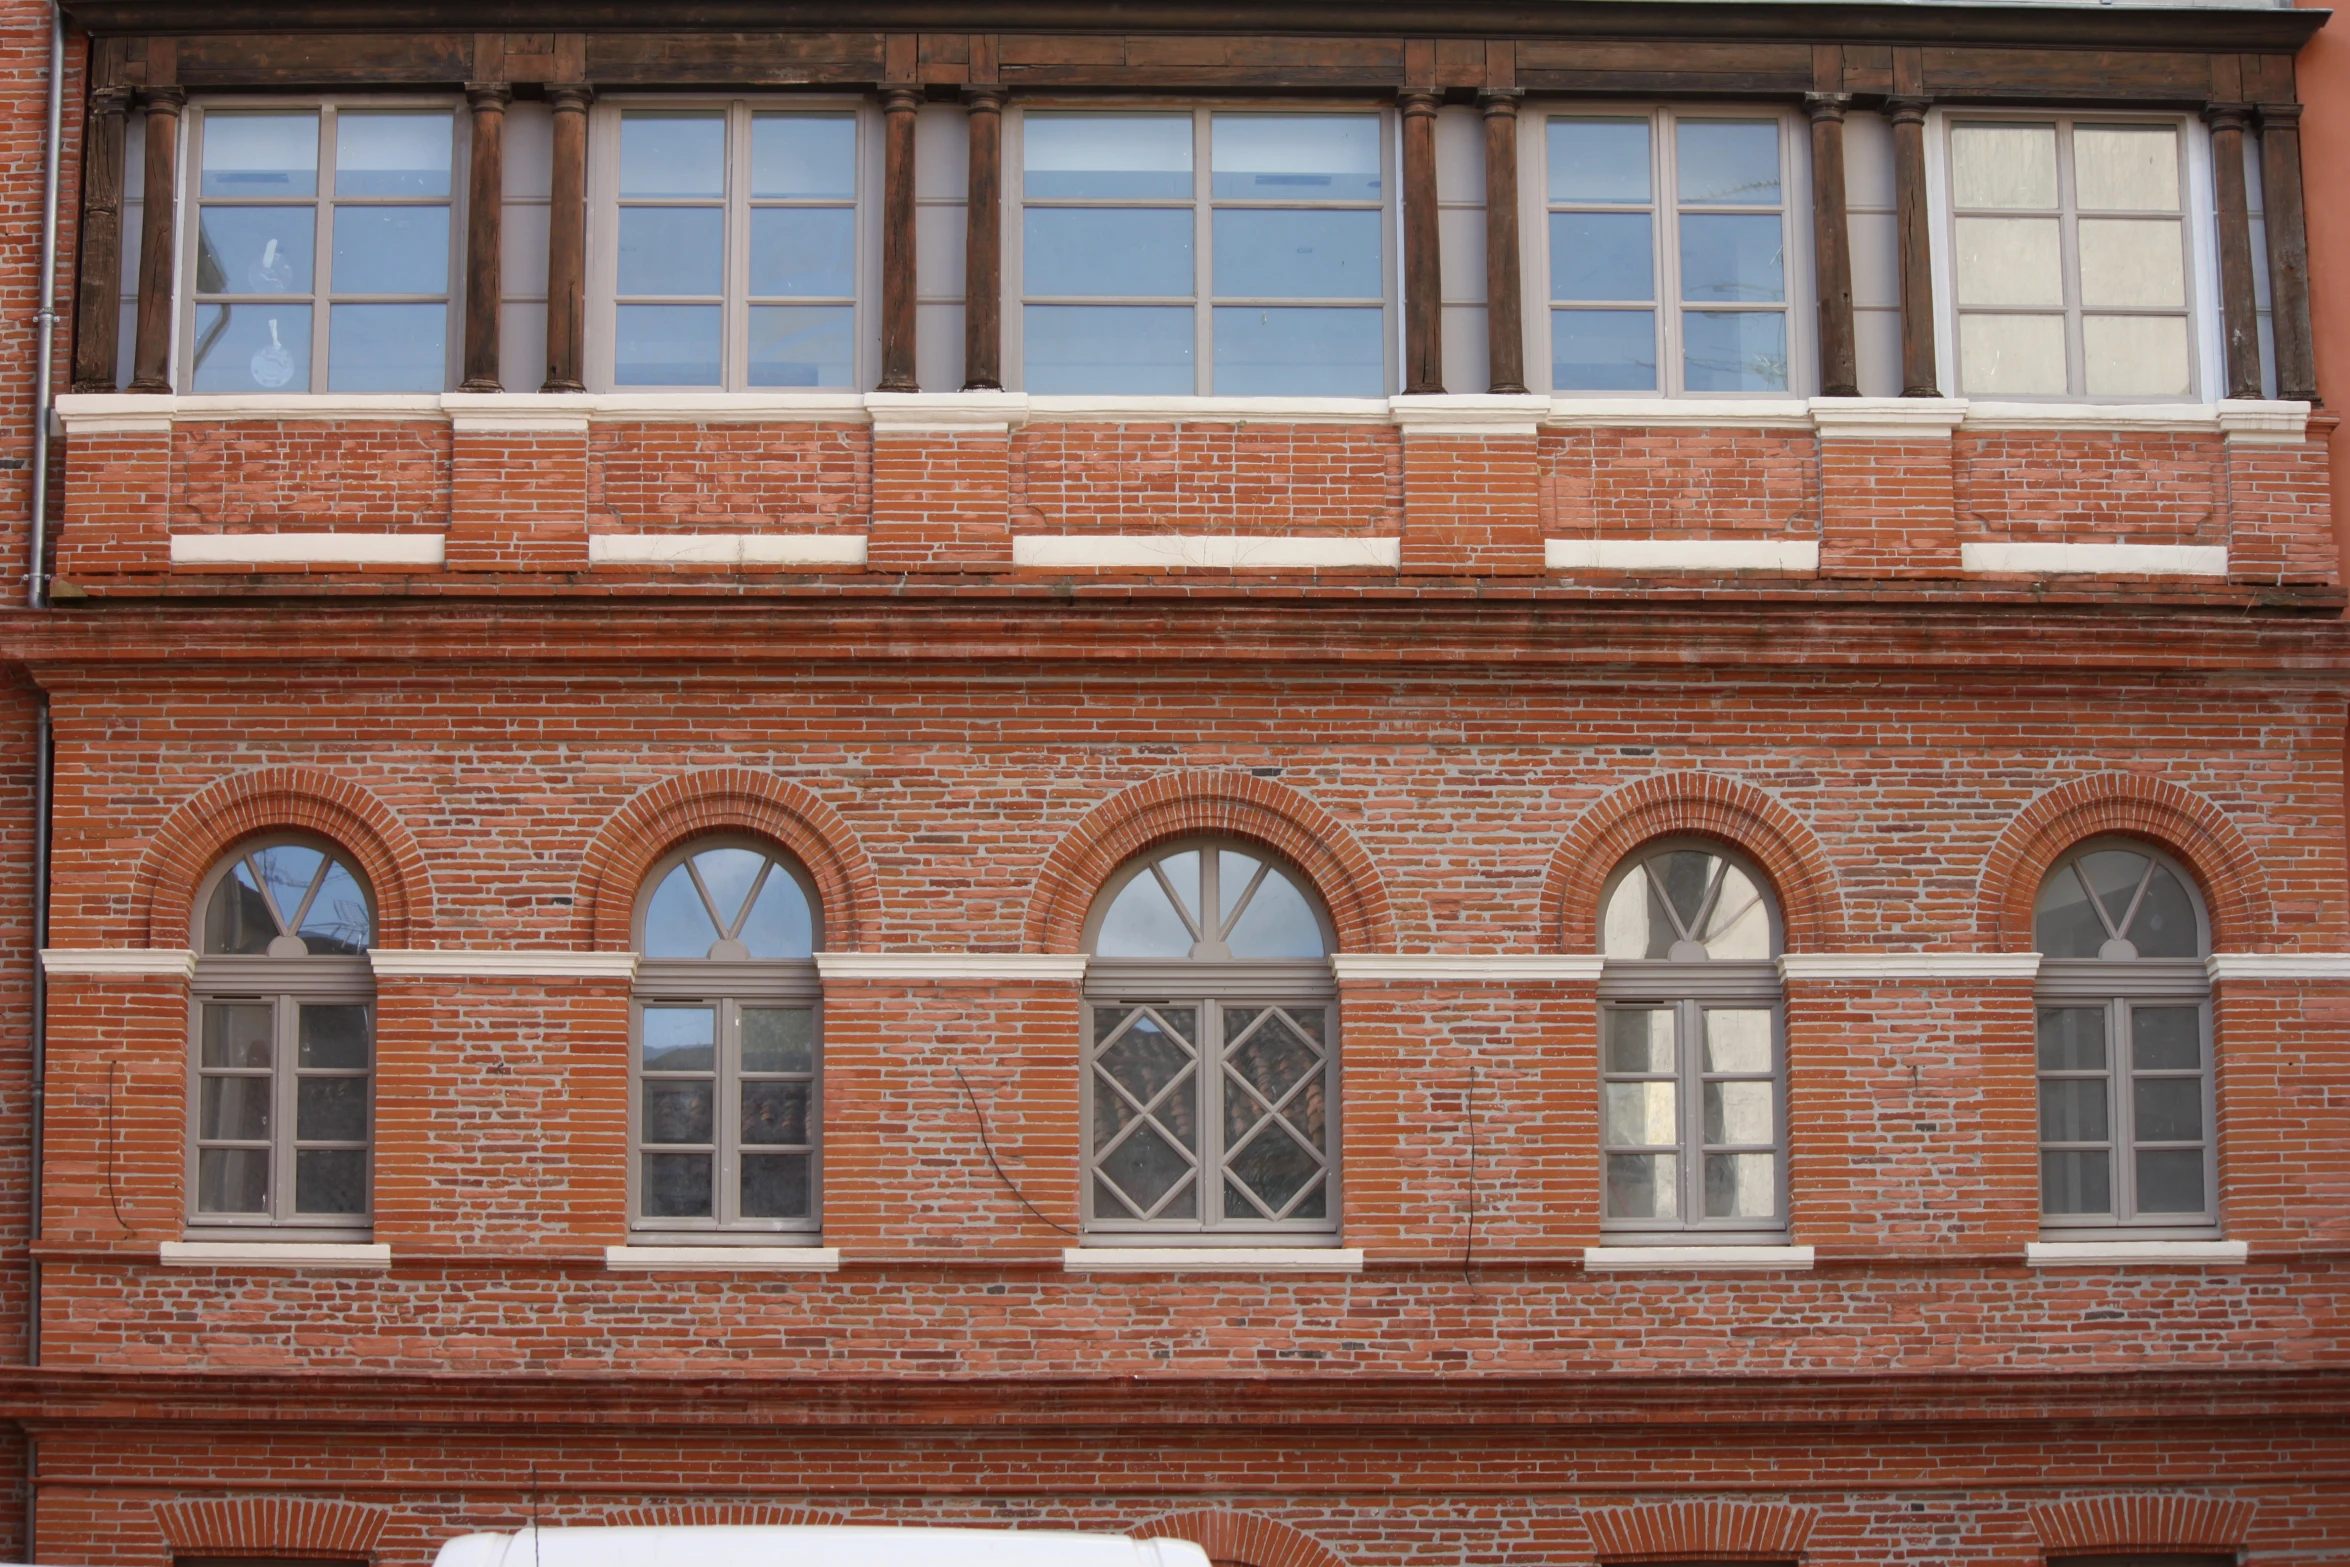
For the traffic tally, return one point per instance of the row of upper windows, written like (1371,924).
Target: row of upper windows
(1210,1088)
(736,245)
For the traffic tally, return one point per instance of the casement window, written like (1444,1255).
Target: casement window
(282,1053)
(2124,1043)
(1693,1074)
(732,249)
(1669,252)
(2071,259)
(1211,1052)
(1244,253)
(322,249)
(724,1117)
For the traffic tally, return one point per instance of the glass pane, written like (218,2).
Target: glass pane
(330,1109)
(233,1109)
(1738,1041)
(1073,349)
(679,1112)
(1274,254)
(1295,157)
(391,250)
(776,1113)
(330,1180)
(1146,1060)
(1734,351)
(1235,875)
(1741,1185)
(675,1185)
(728,875)
(238,1034)
(260,154)
(1103,251)
(333,1038)
(1263,352)
(1641,1115)
(1729,163)
(2010,261)
(678,1039)
(1275,1058)
(2064,922)
(1599,161)
(339,922)
(2018,355)
(1738,926)
(1087,156)
(1732,258)
(2170,1180)
(2003,166)
(1602,255)
(667,345)
(2072,1039)
(1183,872)
(232,1180)
(252,348)
(672,250)
(2076,1182)
(779,1039)
(1739,1113)
(776,1186)
(2166,926)
(2126,168)
(1626,930)
(1643,1186)
(2167,1109)
(804,155)
(803,252)
(1639,1040)
(780,925)
(672,155)
(387,348)
(238,918)
(392,154)
(2131,262)
(1275,1166)
(1141,923)
(677,925)
(1146,1166)
(1603,350)
(2072,1110)
(256,250)
(2135,356)
(1278,922)
(2166,1039)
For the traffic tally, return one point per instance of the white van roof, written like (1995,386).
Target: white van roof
(727,1545)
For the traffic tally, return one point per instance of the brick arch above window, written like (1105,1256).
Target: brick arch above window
(694,805)
(1201,804)
(1694,805)
(739,1515)
(2234,886)
(2141,1521)
(270,1526)
(1238,1539)
(277,800)
(1708,1531)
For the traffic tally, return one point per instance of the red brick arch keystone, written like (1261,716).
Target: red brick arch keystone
(724,800)
(283,799)
(1701,805)
(1180,805)
(2235,888)
(1236,1539)
(2098,1524)
(741,1515)
(1713,1531)
(270,1526)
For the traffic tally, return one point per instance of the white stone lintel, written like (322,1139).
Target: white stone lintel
(2246,422)
(120,962)
(1469,415)
(722,1259)
(274,1254)
(2287,966)
(1470,967)
(916,968)
(1703,1259)
(1909,965)
(2095,560)
(726,549)
(486,963)
(309,549)
(2140,1254)
(1888,418)
(936,414)
(1679,413)
(1212,1259)
(1202,552)
(1707,557)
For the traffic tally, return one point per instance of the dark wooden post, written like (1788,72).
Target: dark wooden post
(1505,289)
(2288,250)
(899,105)
(151,352)
(1915,227)
(485,223)
(983,245)
(1423,270)
(97,305)
(567,242)
(2239,307)
(1831,235)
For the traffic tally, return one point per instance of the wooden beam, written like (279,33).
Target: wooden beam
(899,105)
(1505,289)
(2283,204)
(1831,238)
(2239,310)
(1913,222)
(1423,262)
(485,223)
(983,244)
(158,230)
(97,301)
(567,243)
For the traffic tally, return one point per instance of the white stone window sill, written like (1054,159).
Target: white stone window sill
(2127,1254)
(1211,1259)
(722,1259)
(1672,1259)
(273,1254)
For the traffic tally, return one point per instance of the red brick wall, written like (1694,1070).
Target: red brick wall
(1208,478)
(1680,484)
(771,478)
(2092,488)
(305,475)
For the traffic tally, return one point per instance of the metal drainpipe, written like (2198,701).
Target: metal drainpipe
(45,321)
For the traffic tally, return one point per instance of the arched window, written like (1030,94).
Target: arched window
(1693,1062)
(724,1117)
(1211,1059)
(283,1056)
(2124,1045)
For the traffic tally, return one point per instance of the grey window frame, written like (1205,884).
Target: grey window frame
(727,986)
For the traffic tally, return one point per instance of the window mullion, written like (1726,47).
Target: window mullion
(2121,1125)
(1665,192)
(726,1106)
(1203,250)
(734,314)
(1211,1117)
(322,279)
(285,1089)
(1688,1025)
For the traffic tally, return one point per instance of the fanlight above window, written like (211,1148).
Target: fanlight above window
(288,900)
(730,902)
(2117,904)
(1687,905)
(1210,904)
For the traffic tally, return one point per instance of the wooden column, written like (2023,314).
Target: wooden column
(1831,238)
(898,108)
(983,245)
(1505,289)
(2288,250)
(567,243)
(485,224)
(1914,223)
(1423,270)
(151,353)
(2239,305)
(97,297)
